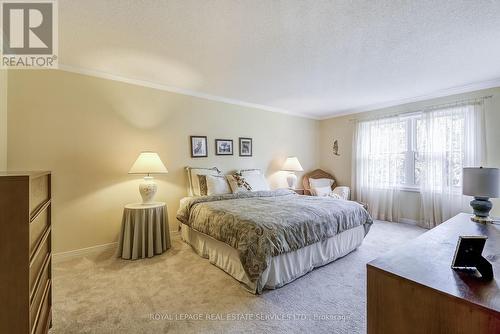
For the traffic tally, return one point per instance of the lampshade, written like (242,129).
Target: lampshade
(292,164)
(148,163)
(481,182)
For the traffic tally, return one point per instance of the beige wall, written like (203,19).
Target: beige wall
(3,119)
(89,131)
(342,129)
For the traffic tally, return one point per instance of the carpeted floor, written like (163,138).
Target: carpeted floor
(179,292)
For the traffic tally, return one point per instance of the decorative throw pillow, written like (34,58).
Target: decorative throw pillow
(194,179)
(334,195)
(238,183)
(342,192)
(202,181)
(216,185)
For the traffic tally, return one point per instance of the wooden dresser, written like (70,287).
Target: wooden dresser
(413,289)
(25,252)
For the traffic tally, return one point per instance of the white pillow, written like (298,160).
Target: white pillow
(315,183)
(334,195)
(257,181)
(217,185)
(342,192)
(321,191)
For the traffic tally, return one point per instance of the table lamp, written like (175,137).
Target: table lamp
(483,184)
(292,165)
(148,163)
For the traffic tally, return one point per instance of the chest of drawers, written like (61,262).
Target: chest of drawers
(25,252)
(412,289)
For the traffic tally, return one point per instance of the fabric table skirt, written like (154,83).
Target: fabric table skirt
(144,231)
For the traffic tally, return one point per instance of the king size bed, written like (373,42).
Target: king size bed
(266,239)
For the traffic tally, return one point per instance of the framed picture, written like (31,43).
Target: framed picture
(199,148)
(245,147)
(224,147)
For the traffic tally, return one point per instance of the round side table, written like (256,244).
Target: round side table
(144,231)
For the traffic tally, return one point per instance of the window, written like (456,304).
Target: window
(400,149)
(440,144)
(425,151)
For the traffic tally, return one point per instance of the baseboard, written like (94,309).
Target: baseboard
(91,251)
(77,253)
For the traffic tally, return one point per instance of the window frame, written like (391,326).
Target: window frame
(411,152)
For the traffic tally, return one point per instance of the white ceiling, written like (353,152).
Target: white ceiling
(315,58)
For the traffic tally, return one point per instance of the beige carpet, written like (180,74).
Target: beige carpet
(179,292)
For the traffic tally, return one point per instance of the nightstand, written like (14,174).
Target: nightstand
(144,231)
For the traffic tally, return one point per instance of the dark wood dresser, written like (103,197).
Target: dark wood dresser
(25,252)
(413,289)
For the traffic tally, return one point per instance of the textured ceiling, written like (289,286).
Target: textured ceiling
(315,58)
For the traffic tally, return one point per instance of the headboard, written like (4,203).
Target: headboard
(315,174)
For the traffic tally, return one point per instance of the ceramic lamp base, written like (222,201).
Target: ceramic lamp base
(148,190)
(291,179)
(482,207)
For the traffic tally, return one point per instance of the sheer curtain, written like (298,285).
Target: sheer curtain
(422,152)
(379,147)
(448,140)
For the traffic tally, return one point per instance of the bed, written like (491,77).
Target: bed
(266,239)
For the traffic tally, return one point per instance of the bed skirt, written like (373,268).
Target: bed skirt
(282,269)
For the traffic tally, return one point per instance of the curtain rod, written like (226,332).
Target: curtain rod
(423,109)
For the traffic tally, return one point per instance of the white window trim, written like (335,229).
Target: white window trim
(410,154)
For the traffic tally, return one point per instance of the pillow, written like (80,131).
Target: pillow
(202,184)
(315,183)
(195,181)
(341,192)
(334,195)
(216,185)
(257,181)
(321,191)
(238,183)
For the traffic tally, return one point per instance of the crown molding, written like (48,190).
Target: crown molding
(172,89)
(178,90)
(440,93)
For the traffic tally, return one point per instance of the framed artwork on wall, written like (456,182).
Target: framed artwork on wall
(245,147)
(224,147)
(199,147)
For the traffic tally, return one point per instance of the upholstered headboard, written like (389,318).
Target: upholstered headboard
(315,174)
